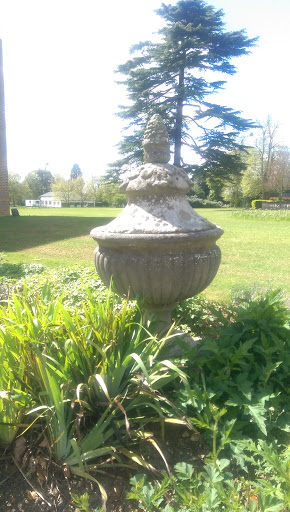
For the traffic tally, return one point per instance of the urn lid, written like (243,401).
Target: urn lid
(157,204)
(155,179)
(156,175)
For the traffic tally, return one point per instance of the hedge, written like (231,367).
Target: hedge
(257,203)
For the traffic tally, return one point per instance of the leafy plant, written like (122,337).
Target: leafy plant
(194,315)
(186,491)
(92,373)
(82,502)
(70,283)
(94,377)
(215,488)
(16,396)
(244,366)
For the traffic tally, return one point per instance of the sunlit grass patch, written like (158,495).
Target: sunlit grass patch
(255,245)
(260,214)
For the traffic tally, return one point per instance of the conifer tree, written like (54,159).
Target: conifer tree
(174,77)
(75,172)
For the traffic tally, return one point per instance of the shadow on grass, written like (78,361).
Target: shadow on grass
(19,233)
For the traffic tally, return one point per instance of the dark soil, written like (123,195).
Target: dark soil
(31,482)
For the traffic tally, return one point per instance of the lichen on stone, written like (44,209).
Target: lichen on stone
(154,178)
(156,142)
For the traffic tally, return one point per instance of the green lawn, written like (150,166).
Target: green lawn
(254,252)
(54,236)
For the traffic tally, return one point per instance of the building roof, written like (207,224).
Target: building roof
(50,195)
(47,195)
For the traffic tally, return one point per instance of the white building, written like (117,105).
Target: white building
(32,202)
(46,201)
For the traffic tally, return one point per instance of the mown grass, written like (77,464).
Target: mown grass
(52,237)
(255,253)
(255,247)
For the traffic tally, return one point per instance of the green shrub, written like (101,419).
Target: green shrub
(196,202)
(257,203)
(70,283)
(239,400)
(215,488)
(194,315)
(76,359)
(90,373)
(239,376)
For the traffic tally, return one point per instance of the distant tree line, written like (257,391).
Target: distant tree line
(32,186)
(265,173)
(98,191)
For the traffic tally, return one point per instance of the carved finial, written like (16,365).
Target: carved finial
(156,143)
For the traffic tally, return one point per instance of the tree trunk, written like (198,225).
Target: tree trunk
(178,122)
(4,191)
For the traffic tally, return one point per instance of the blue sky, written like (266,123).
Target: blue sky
(59,62)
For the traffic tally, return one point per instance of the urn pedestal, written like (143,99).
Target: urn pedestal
(158,248)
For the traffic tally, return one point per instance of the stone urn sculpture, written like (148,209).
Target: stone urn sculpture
(158,248)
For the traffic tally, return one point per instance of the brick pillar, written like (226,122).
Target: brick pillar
(4,192)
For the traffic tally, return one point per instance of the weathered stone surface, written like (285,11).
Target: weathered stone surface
(157,217)
(158,248)
(161,275)
(157,204)
(156,143)
(157,178)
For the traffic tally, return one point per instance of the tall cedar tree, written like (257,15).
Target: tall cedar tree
(75,172)
(172,78)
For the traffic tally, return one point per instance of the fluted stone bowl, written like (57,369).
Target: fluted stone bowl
(158,248)
(161,270)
